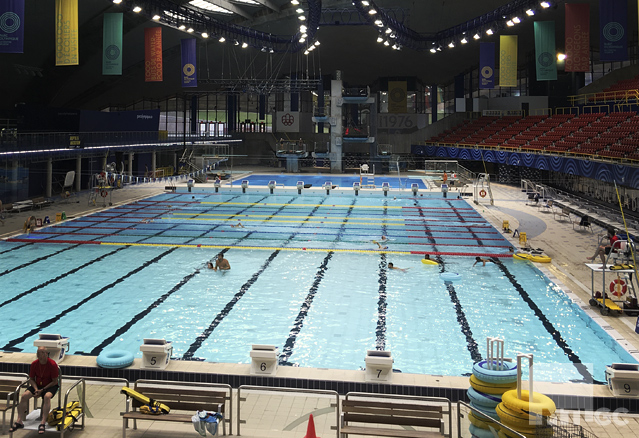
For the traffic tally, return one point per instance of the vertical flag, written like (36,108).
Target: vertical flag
(66,32)
(189,70)
(508,60)
(486,66)
(397,100)
(577,37)
(545,57)
(112,44)
(153,54)
(12,26)
(613,29)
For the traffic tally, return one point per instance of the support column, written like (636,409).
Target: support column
(336,129)
(153,161)
(49,187)
(78,174)
(130,171)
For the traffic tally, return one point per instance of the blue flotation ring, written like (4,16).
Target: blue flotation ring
(115,359)
(486,410)
(478,398)
(450,276)
(507,374)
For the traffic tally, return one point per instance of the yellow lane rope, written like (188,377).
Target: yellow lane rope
(257,204)
(269,248)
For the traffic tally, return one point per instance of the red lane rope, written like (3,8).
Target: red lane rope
(85,242)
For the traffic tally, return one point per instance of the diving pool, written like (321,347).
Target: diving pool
(305,276)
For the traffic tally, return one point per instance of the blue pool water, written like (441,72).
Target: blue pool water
(341,181)
(305,276)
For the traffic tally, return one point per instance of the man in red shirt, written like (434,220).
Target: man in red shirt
(43,382)
(604,250)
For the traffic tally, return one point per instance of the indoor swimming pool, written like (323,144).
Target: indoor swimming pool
(306,276)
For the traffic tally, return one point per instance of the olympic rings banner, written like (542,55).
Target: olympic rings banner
(66,32)
(486,66)
(508,60)
(613,32)
(12,26)
(112,44)
(189,64)
(545,57)
(153,54)
(577,37)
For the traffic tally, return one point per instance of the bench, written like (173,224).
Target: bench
(563,214)
(10,384)
(413,417)
(185,397)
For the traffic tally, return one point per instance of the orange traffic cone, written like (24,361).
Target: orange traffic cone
(310,430)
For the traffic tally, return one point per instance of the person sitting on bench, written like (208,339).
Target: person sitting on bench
(43,382)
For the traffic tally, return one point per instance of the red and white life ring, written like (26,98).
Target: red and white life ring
(104,193)
(482,193)
(618,287)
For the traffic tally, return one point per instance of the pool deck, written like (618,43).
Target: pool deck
(272,414)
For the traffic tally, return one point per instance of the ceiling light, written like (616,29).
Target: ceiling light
(295,2)
(365,3)
(544,4)
(451,44)
(117,2)
(510,23)
(379,23)
(433,50)
(530,12)
(476,36)
(205,35)
(263,49)
(306,52)
(561,57)
(182,27)
(190,30)
(236,43)
(386,43)
(372,11)
(302,40)
(516,20)
(389,30)
(137,9)
(317,43)
(464,40)
(299,10)
(244,45)
(222,39)
(156,17)
(489,31)
(271,50)
(301,17)
(303,28)
(380,39)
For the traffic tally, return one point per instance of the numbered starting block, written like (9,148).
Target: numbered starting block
(264,359)
(623,379)
(55,345)
(379,366)
(156,353)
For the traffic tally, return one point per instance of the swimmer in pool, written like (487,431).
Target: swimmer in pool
(221,264)
(482,261)
(379,245)
(239,225)
(395,268)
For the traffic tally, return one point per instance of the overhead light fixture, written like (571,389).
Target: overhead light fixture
(365,3)
(386,43)
(544,5)
(451,44)
(516,20)
(244,45)
(117,2)
(489,31)
(263,49)
(510,23)
(306,52)
(561,56)
(236,43)
(530,12)
(388,30)
(433,50)
(271,50)
(182,27)
(299,10)
(156,17)
(205,35)
(379,23)
(303,28)
(190,30)
(464,40)
(372,11)
(317,43)
(380,39)
(137,9)
(301,40)
(301,17)
(476,36)
(222,39)
(295,2)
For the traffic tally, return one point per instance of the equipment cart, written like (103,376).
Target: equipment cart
(617,295)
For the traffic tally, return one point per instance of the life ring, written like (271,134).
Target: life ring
(517,420)
(114,359)
(486,411)
(540,404)
(508,374)
(483,399)
(478,422)
(479,432)
(104,193)
(482,193)
(618,287)
(450,276)
(491,388)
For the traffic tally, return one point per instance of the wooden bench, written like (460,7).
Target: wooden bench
(10,384)
(414,417)
(185,397)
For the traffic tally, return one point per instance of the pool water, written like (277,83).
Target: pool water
(305,276)
(341,181)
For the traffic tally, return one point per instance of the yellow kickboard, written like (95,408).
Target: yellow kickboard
(609,304)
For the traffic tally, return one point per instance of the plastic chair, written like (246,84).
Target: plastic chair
(584,223)
(67,186)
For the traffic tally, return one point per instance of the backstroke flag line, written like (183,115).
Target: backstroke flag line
(112,44)
(577,41)
(613,30)
(508,60)
(66,32)
(545,58)
(487,66)
(189,63)
(12,26)
(153,54)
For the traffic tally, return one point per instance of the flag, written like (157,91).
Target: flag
(397,100)
(66,32)
(112,44)
(545,57)
(577,37)
(153,54)
(189,70)
(12,26)
(613,29)
(486,66)
(508,60)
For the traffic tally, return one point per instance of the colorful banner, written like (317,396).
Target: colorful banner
(577,37)
(112,44)
(486,66)
(545,57)
(189,63)
(613,30)
(12,26)
(153,54)
(508,60)
(66,32)
(397,97)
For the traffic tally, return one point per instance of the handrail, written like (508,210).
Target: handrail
(66,401)
(479,414)
(292,390)
(604,96)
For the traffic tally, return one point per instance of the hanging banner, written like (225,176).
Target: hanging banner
(486,66)
(112,44)
(153,54)
(508,60)
(397,100)
(189,70)
(577,37)
(12,26)
(66,32)
(613,29)
(545,58)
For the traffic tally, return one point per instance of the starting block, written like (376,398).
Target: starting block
(156,353)
(264,359)
(379,366)
(55,345)
(623,379)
